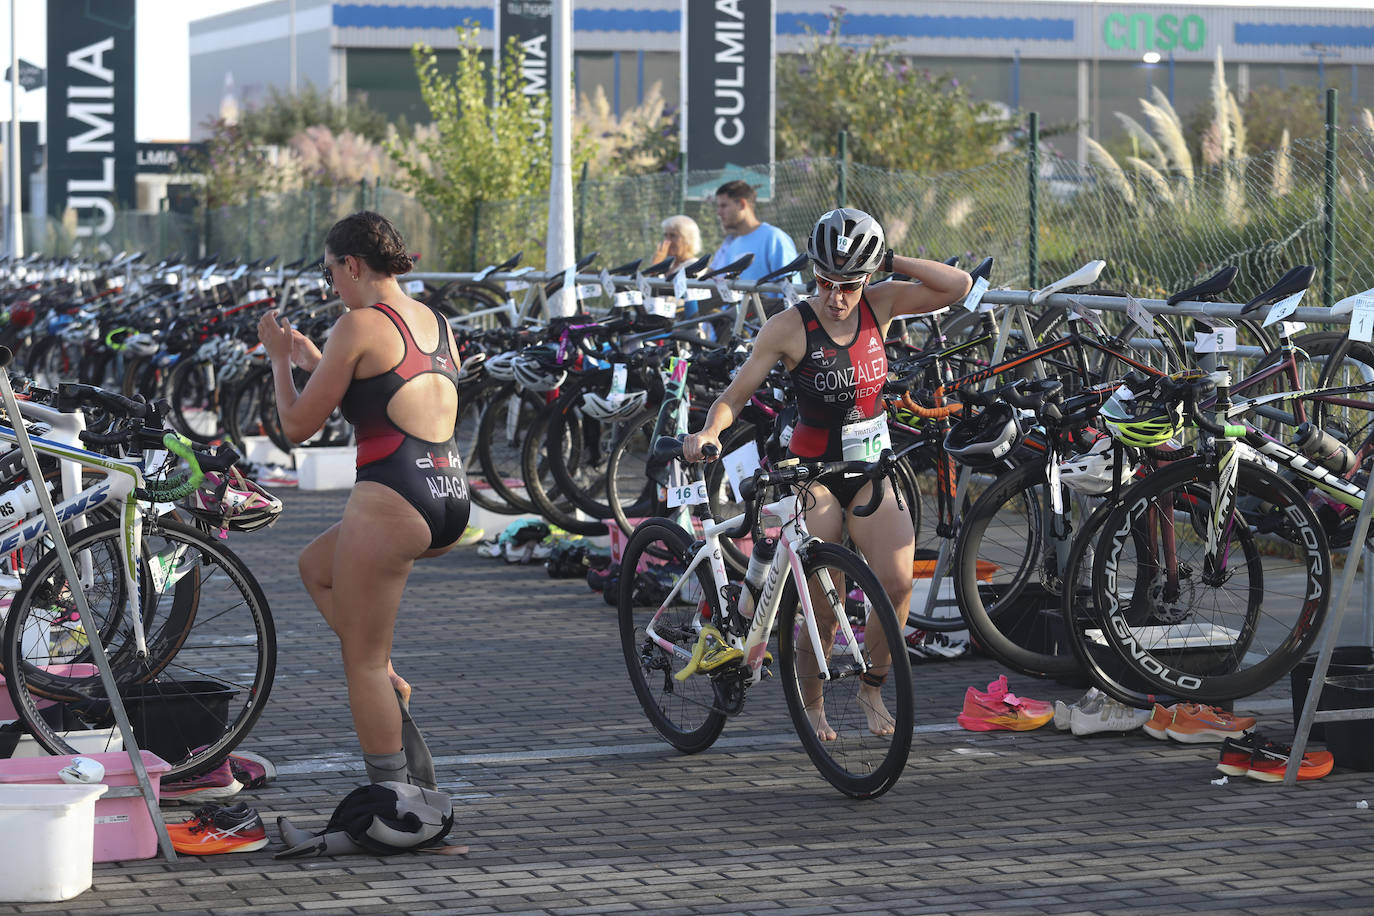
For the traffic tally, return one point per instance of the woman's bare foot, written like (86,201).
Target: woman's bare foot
(815,712)
(399,684)
(880,721)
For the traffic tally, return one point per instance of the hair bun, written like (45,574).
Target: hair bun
(397,264)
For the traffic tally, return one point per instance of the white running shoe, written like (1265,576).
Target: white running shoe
(1108,716)
(1063,712)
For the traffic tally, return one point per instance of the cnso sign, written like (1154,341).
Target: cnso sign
(1129,31)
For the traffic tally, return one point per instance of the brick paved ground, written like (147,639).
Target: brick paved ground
(571,805)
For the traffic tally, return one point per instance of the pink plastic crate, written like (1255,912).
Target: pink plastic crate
(123,829)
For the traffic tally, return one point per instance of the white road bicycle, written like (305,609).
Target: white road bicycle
(186,627)
(693,649)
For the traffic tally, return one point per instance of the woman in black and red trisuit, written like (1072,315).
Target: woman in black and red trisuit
(391,364)
(833,346)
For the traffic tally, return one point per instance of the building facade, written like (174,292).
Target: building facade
(1074,63)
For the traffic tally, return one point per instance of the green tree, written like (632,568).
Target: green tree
(487,144)
(898,116)
(235,167)
(285,115)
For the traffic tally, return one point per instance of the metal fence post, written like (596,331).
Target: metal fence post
(476,221)
(1032,175)
(1329,206)
(842,190)
(581,212)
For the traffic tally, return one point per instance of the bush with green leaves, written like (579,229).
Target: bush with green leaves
(898,115)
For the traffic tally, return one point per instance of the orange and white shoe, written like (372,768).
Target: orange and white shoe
(1158,725)
(1269,763)
(213,831)
(1196,724)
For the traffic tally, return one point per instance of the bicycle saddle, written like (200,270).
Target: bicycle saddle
(730,270)
(1084,275)
(1207,290)
(1296,280)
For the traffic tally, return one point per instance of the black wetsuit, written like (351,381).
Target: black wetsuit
(835,385)
(429,475)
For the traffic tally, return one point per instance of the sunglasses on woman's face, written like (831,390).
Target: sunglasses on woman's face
(327,273)
(843,286)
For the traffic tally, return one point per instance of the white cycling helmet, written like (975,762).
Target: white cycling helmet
(536,372)
(502,366)
(1091,471)
(233,502)
(599,407)
(471,367)
(846,243)
(141,345)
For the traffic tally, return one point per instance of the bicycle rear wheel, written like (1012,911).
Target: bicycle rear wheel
(208,671)
(858,762)
(687,713)
(1202,628)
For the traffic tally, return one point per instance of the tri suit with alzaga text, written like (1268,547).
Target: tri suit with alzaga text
(428,475)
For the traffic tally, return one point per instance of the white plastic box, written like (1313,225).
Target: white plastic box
(46,840)
(122,828)
(325,468)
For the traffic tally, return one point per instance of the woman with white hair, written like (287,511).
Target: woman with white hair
(681,242)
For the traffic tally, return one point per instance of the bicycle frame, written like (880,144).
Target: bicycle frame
(786,562)
(121,480)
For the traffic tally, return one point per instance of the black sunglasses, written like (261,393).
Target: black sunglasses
(845,286)
(327,271)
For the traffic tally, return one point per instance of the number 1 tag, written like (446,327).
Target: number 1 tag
(1141,316)
(975,295)
(1281,310)
(1362,320)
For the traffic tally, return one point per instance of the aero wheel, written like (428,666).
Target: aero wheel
(858,761)
(685,712)
(211,646)
(1211,626)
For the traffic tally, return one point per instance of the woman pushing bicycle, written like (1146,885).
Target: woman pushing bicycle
(391,364)
(832,344)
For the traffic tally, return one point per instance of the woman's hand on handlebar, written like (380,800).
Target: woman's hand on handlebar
(702,445)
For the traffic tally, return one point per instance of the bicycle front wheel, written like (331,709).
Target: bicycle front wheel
(1211,625)
(211,646)
(872,728)
(688,712)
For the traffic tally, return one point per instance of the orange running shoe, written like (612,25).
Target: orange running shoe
(1269,763)
(212,831)
(1195,724)
(985,712)
(1159,723)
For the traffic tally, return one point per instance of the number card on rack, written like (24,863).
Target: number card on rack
(662,306)
(1141,316)
(627,298)
(570,279)
(727,294)
(606,285)
(646,288)
(680,283)
(414,286)
(1362,319)
(1283,308)
(1219,340)
(975,295)
(789,294)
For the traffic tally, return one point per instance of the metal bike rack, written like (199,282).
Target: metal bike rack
(88,622)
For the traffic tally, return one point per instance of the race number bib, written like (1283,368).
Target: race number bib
(865,440)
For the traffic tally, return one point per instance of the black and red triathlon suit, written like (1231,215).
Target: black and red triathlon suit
(836,384)
(429,475)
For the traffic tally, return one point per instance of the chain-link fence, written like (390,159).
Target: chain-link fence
(1157,230)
